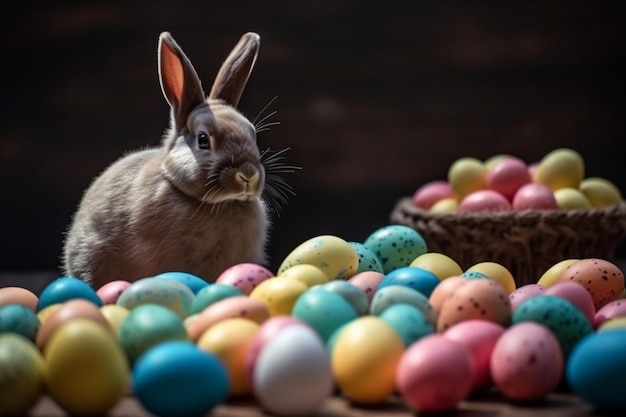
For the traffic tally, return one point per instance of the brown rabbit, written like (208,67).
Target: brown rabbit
(194,203)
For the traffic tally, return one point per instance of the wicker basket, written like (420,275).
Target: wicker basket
(526,242)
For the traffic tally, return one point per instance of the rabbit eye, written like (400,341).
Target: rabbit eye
(203,140)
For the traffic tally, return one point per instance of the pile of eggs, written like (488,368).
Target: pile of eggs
(506,182)
(365,320)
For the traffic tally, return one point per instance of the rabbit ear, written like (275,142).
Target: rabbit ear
(179,81)
(236,69)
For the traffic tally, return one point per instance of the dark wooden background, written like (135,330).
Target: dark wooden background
(374,98)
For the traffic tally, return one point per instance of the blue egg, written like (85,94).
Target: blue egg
(395,246)
(368,261)
(211,294)
(395,294)
(16,318)
(357,298)
(177,378)
(194,282)
(596,370)
(413,277)
(408,321)
(324,311)
(66,288)
(473,275)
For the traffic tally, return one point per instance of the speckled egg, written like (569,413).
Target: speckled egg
(523,293)
(395,294)
(497,272)
(244,276)
(194,282)
(367,281)
(368,261)
(527,362)
(395,246)
(551,275)
(445,289)
(413,277)
(482,299)
(333,255)
(565,320)
(16,318)
(603,279)
(172,294)
(575,294)
(614,309)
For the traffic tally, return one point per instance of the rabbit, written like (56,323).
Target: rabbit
(194,203)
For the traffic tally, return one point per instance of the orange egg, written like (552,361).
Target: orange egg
(603,279)
(18,295)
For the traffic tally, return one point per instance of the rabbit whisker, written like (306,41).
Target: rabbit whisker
(254,122)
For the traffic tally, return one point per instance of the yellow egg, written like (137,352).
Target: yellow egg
(439,264)
(308,274)
(364,359)
(22,374)
(114,314)
(496,272)
(614,323)
(278,294)
(467,175)
(560,168)
(333,255)
(229,340)
(552,274)
(87,371)
(571,199)
(600,192)
(45,312)
(445,206)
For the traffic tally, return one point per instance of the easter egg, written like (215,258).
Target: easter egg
(445,206)
(603,279)
(551,275)
(351,293)
(466,175)
(147,325)
(614,323)
(560,168)
(482,201)
(22,374)
(431,192)
(596,370)
(114,315)
(575,294)
(565,320)
(110,292)
(496,272)
(364,359)
(229,340)
(211,294)
(86,370)
(394,294)
(523,293)
(368,261)
(19,295)
(526,362)
(408,321)
(308,274)
(571,199)
(169,293)
(396,246)
(323,310)
(426,369)
(600,192)
(66,288)
(507,175)
(292,374)
(445,289)
(368,282)
(244,276)
(278,294)
(611,310)
(534,196)
(413,277)
(176,378)
(16,318)
(333,255)
(439,264)
(194,282)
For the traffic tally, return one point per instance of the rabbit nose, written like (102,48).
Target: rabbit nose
(248,178)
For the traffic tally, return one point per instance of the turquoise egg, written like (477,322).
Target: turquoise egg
(147,325)
(211,294)
(63,289)
(395,246)
(357,298)
(16,318)
(473,275)
(409,322)
(368,261)
(177,378)
(563,318)
(413,277)
(396,294)
(194,282)
(596,370)
(169,293)
(324,311)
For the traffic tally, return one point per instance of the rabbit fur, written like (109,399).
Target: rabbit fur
(192,204)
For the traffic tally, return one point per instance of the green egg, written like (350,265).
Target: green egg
(409,322)
(16,318)
(396,294)
(395,246)
(354,295)
(212,293)
(169,293)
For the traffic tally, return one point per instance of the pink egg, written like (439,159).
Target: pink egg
(534,196)
(110,292)
(611,310)
(367,281)
(484,200)
(507,176)
(523,293)
(480,336)
(431,192)
(435,373)
(576,294)
(526,362)
(244,276)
